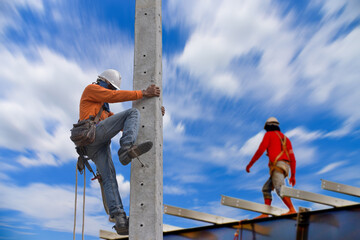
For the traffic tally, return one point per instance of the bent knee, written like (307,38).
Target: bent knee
(134,111)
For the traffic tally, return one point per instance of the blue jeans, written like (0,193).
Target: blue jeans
(100,153)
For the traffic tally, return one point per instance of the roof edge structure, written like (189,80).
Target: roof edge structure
(326,223)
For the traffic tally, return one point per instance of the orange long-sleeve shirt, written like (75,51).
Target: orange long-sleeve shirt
(94,96)
(271,142)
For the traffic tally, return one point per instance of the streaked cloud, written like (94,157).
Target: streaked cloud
(330,167)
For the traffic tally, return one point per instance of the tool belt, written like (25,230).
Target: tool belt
(83,132)
(273,165)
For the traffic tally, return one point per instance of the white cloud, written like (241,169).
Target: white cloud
(306,64)
(52,206)
(173,190)
(39,159)
(235,157)
(36,5)
(305,155)
(302,135)
(10,15)
(124,186)
(172,131)
(331,8)
(228,35)
(186,177)
(344,174)
(251,145)
(230,155)
(41,102)
(330,167)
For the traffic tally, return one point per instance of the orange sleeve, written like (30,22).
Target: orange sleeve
(96,93)
(262,147)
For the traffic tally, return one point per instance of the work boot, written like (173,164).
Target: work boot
(121,224)
(126,154)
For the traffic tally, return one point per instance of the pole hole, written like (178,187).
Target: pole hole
(142,126)
(144,72)
(141,225)
(142,184)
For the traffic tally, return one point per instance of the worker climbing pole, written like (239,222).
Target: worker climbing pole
(146,197)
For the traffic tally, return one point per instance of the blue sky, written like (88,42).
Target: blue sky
(228,65)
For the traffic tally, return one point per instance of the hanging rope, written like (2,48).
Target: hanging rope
(76,184)
(83,214)
(83,217)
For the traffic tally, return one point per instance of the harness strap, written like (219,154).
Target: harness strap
(272,165)
(97,118)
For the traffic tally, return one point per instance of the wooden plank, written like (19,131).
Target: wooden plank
(315,197)
(114,236)
(251,206)
(195,215)
(170,228)
(340,188)
(110,235)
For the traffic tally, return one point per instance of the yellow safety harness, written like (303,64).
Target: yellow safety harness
(272,165)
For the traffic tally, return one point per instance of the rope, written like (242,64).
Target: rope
(83,217)
(75,208)
(76,184)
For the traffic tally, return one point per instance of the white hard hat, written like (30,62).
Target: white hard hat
(272,121)
(111,76)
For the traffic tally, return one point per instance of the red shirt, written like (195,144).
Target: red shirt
(272,143)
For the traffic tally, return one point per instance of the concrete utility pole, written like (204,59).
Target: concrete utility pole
(146,192)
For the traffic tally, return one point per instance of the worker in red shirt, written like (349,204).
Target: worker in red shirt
(95,100)
(281,159)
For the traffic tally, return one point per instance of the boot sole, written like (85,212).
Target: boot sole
(122,230)
(136,151)
(142,148)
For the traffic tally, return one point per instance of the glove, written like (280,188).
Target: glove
(292,180)
(248,168)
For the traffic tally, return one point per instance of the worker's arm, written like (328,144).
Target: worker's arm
(96,93)
(292,179)
(262,147)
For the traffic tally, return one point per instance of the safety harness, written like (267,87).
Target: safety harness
(272,165)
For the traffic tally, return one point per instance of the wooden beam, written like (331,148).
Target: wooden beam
(111,235)
(195,215)
(251,206)
(315,197)
(340,188)
(114,236)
